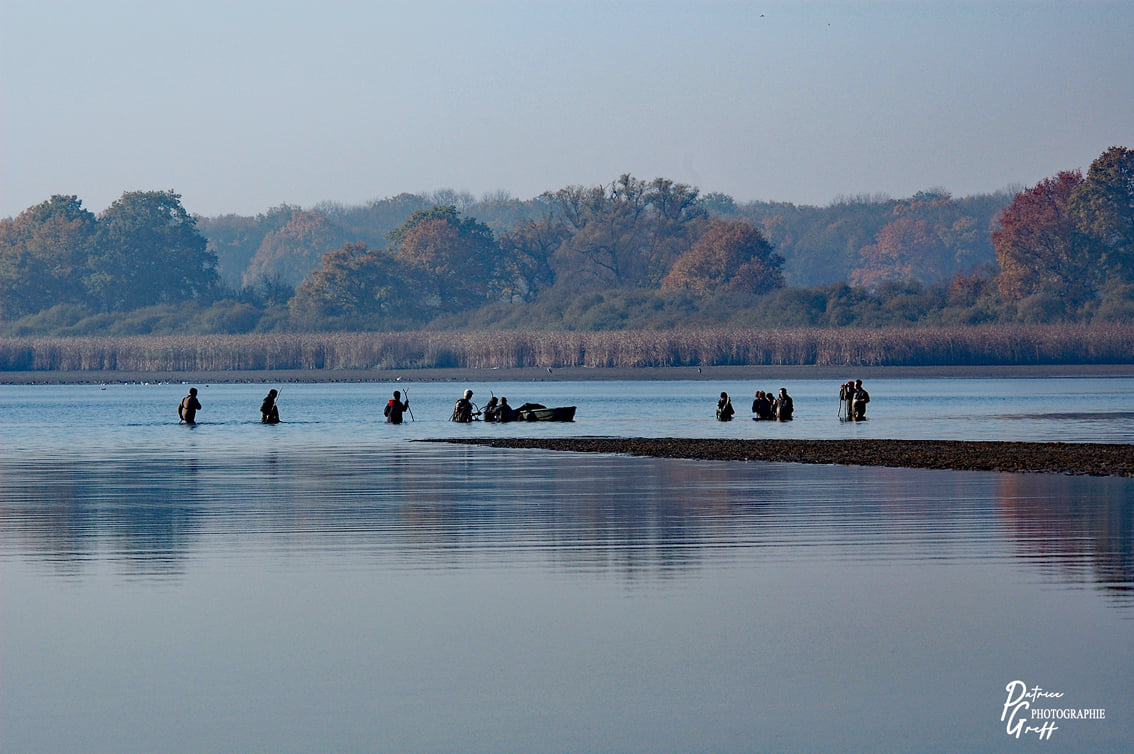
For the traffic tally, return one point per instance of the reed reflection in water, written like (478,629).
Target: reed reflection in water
(408,596)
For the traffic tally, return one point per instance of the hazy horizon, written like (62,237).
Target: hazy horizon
(243,106)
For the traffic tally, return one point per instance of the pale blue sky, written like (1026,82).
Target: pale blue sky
(241,106)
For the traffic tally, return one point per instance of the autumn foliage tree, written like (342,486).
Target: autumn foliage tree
(903,250)
(295,249)
(729,257)
(1039,245)
(459,254)
(235,239)
(929,239)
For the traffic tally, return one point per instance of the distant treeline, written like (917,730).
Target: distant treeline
(844,242)
(631,255)
(974,346)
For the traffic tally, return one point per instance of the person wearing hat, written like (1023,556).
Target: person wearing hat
(463,410)
(187,409)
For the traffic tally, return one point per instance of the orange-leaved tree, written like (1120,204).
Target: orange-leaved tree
(731,256)
(905,249)
(1039,245)
(459,253)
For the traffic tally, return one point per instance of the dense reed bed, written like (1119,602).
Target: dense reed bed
(963,346)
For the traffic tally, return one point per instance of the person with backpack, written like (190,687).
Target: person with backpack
(189,406)
(463,410)
(395,407)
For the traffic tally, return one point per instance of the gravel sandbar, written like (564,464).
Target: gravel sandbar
(1094,459)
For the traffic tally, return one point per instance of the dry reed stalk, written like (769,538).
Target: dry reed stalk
(987,345)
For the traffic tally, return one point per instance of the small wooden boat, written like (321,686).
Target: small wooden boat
(535,412)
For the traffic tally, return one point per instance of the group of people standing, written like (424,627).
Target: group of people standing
(852,400)
(767,405)
(496,410)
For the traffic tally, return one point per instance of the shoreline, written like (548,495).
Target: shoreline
(564,374)
(1086,459)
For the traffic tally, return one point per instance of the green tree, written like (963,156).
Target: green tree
(355,285)
(43,256)
(527,251)
(677,218)
(624,236)
(149,251)
(1103,207)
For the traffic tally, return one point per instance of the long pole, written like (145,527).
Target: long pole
(408,406)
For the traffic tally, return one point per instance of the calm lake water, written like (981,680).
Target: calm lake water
(327,584)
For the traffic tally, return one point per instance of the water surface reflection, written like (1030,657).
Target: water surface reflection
(404,596)
(424,506)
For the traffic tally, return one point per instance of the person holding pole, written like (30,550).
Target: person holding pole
(395,407)
(269,411)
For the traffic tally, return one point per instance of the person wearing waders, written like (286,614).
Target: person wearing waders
(859,401)
(189,406)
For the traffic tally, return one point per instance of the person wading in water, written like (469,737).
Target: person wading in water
(725,410)
(859,401)
(269,411)
(189,406)
(395,407)
(463,410)
(784,406)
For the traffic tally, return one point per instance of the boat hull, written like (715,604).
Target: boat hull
(556,414)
